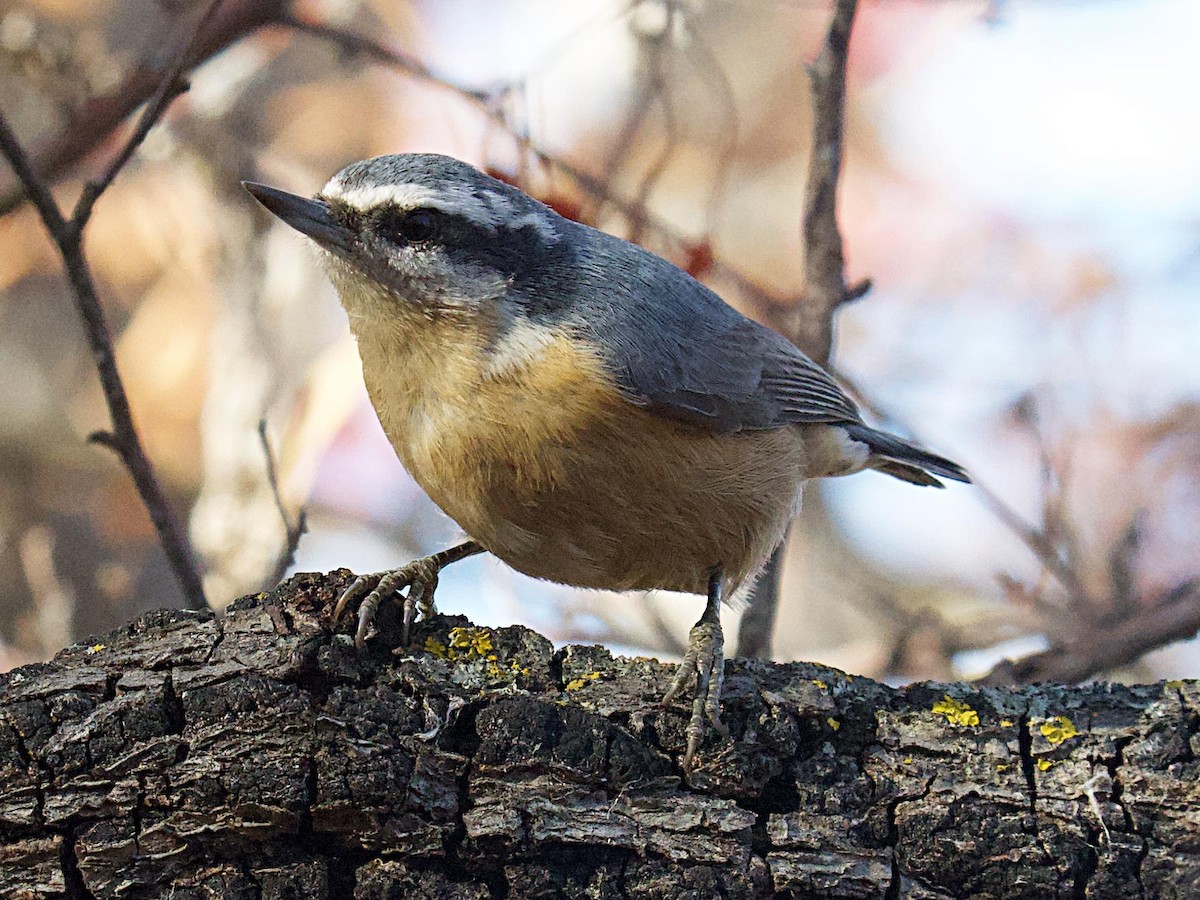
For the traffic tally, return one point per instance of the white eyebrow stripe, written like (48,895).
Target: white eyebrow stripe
(368,196)
(485,208)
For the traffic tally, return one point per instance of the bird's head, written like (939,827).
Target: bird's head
(429,233)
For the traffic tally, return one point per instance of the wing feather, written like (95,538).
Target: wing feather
(679,350)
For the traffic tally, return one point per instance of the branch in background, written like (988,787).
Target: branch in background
(99,117)
(824,275)
(824,268)
(294,530)
(1175,616)
(1110,632)
(1036,539)
(767,306)
(67,235)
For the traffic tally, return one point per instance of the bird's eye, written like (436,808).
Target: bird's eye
(416,226)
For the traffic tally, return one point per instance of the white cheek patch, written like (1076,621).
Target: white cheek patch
(521,346)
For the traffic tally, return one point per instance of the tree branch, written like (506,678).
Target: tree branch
(293,531)
(824,278)
(67,235)
(1109,645)
(824,268)
(100,116)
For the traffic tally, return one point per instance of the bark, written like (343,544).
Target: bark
(259,756)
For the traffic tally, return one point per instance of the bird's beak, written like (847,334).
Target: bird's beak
(308,216)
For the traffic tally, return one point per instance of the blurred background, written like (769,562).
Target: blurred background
(1021,182)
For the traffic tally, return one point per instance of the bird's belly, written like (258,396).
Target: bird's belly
(626,501)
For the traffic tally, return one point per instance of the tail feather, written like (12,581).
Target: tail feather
(905,461)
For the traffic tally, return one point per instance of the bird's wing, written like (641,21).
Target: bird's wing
(679,350)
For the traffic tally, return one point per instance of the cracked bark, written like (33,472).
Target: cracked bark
(259,756)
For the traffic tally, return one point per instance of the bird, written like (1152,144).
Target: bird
(585,410)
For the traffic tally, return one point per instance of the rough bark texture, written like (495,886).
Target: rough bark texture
(259,756)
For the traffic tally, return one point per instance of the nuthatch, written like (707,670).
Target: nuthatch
(585,410)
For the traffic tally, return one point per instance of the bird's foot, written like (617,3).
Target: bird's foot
(420,577)
(706,658)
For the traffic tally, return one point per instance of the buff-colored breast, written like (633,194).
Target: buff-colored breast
(527,444)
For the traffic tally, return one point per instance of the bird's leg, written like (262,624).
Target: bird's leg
(420,577)
(706,658)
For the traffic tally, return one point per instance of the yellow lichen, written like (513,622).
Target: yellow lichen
(833,723)
(1058,729)
(1175,685)
(1044,764)
(576,683)
(471,642)
(471,645)
(1006,723)
(956,712)
(819,683)
(95,648)
(1001,767)
(908,760)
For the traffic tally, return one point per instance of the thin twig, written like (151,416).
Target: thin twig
(824,276)
(1038,542)
(654,52)
(294,530)
(357,45)
(173,84)
(67,235)
(767,306)
(100,116)
(1104,642)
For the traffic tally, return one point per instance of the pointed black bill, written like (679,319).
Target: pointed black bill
(308,216)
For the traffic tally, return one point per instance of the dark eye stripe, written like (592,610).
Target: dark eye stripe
(411,226)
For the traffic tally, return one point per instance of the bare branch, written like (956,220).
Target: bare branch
(67,235)
(824,276)
(758,621)
(1174,617)
(294,530)
(173,84)
(357,45)
(100,116)
(32,186)
(1038,542)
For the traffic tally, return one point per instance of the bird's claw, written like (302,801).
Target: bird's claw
(419,576)
(706,658)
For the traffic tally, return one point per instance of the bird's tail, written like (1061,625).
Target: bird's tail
(900,459)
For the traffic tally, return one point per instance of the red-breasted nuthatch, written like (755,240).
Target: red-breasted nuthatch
(586,411)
